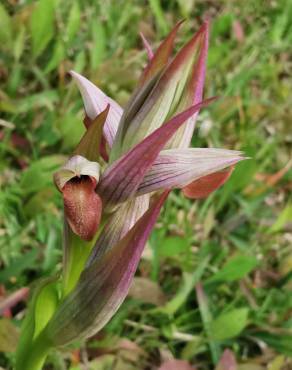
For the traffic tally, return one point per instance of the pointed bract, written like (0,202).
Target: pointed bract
(147,46)
(176,168)
(170,91)
(103,285)
(161,57)
(120,181)
(95,101)
(135,103)
(90,144)
(194,88)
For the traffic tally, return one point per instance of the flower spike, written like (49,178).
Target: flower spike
(114,186)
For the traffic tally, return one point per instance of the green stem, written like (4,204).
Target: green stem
(36,356)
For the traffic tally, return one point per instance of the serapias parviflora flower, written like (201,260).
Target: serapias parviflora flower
(146,148)
(119,176)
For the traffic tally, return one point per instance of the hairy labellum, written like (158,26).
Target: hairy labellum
(77,181)
(82,206)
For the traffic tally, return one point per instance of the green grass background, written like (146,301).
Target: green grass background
(235,246)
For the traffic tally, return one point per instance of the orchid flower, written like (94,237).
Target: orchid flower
(114,185)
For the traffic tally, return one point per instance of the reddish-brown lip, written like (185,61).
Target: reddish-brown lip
(83,207)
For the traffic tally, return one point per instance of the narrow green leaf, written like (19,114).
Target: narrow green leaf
(57,56)
(281,343)
(45,306)
(42,25)
(189,281)
(159,15)
(73,21)
(36,311)
(283,219)
(6,27)
(32,102)
(207,318)
(97,51)
(19,43)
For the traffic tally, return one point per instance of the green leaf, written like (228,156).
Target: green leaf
(98,48)
(32,348)
(25,261)
(6,27)
(236,268)
(173,246)
(283,219)
(206,316)
(19,43)
(39,174)
(45,306)
(189,281)
(43,99)
(71,129)
(281,343)
(41,202)
(73,21)
(80,61)
(57,56)
(229,324)
(42,25)
(159,15)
